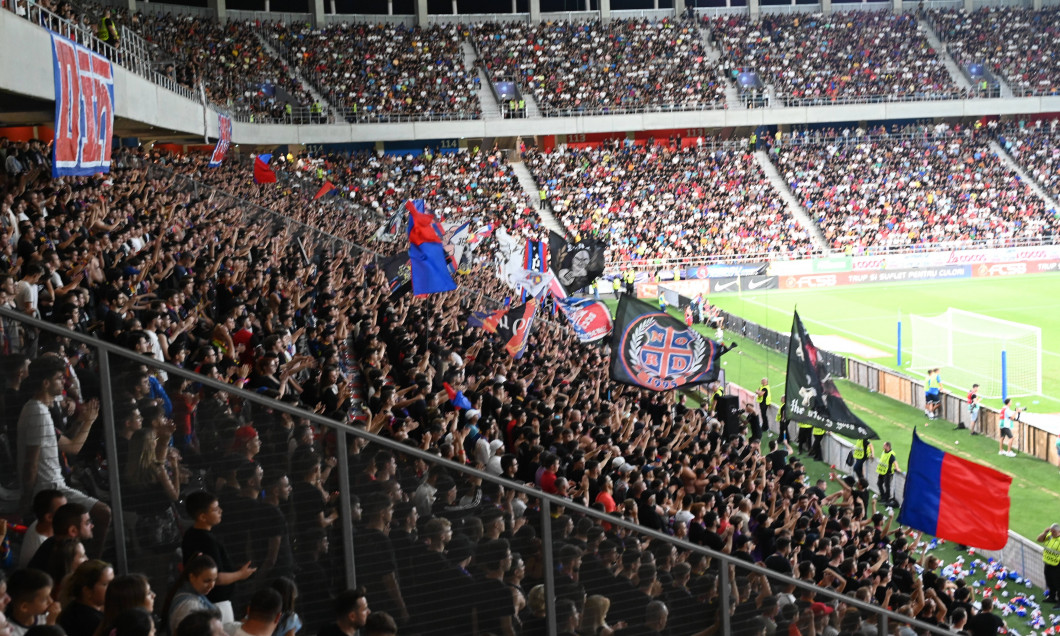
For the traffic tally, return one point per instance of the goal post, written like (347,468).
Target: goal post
(968,347)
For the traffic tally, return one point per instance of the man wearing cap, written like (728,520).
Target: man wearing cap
(1050,538)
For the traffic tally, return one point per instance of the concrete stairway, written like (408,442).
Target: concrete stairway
(488,101)
(794,206)
(958,76)
(1003,155)
(732,96)
(532,190)
(297,75)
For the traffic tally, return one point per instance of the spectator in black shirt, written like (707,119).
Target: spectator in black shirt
(204,508)
(351,612)
(494,611)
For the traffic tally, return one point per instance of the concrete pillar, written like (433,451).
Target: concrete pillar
(318,14)
(605,10)
(969,6)
(390,7)
(679,8)
(754,9)
(218,8)
(514,7)
(1037,5)
(897,7)
(826,7)
(421,13)
(331,3)
(535,11)
(131,6)
(454,8)
(267,6)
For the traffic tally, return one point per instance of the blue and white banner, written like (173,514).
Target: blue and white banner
(224,140)
(84,109)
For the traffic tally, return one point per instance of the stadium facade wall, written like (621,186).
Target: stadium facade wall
(136,98)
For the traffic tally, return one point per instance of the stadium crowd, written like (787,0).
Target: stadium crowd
(668,200)
(845,56)
(587,67)
(1017,44)
(210,283)
(228,60)
(381,71)
(886,189)
(1036,147)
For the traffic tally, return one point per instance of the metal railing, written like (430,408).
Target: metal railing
(550,514)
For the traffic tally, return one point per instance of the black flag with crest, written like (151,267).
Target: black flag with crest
(398,272)
(810,393)
(656,351)
(575,264)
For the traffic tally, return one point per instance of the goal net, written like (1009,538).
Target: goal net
(968,347)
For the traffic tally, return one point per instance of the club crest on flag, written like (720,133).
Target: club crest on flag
(662,357)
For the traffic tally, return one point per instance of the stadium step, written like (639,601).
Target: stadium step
(794,206)
(292,69)
(530,186)
(487,100)
(958,76)
(1024,176)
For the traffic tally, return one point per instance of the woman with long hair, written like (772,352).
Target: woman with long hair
(125,592)
(290,623)
(189,592)
(83,597)
(68,555)
(594,617)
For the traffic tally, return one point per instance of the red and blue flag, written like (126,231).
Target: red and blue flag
(262,172)
(430,265)
(954,499)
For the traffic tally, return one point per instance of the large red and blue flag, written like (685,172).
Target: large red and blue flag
(954,499)
(262,172)
(430,265)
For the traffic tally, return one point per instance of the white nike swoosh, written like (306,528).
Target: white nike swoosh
(725,286)
(754,285)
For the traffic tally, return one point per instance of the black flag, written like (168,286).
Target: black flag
(575,264)
(398,272)
(810,394)
(512,324)
(654,350)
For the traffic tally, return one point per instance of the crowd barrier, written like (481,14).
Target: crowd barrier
(318,575)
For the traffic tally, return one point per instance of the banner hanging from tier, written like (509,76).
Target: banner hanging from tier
(656,351)
(84,110)
(811,394)
(224,140)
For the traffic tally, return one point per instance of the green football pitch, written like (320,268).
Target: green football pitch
(862,320)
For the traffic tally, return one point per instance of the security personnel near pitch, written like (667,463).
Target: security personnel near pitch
(783,420)
(805,440)
(885,471)
(1050,537)
(594,289)
(862,450)
(616,283)
(631,278)
(719,391)
(816,451)
(764,400)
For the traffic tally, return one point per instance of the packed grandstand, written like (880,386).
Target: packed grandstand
(274,289)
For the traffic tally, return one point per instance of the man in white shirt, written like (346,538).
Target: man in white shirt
(263,614)
(39,443)
(45,503)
